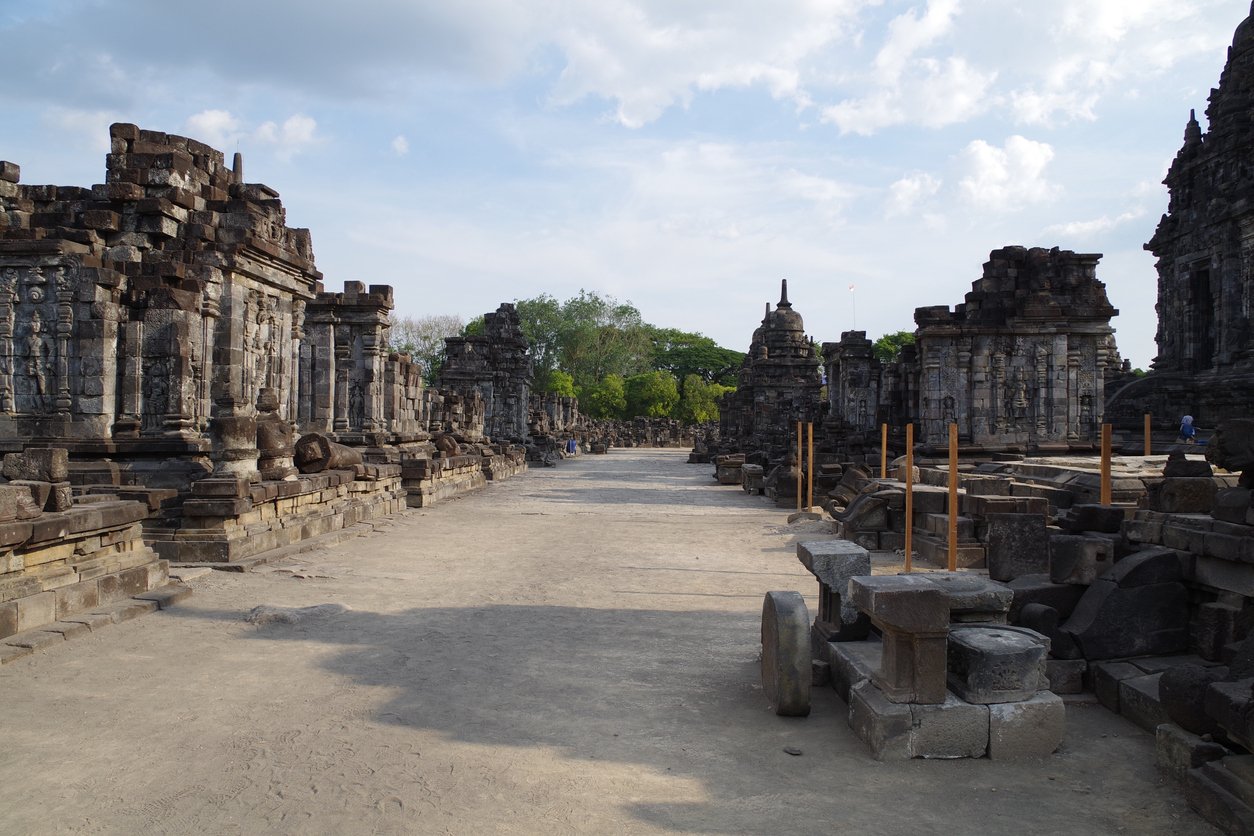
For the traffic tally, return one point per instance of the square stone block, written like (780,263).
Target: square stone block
(952,729)
(1030,729)
(883,726)
(909,603)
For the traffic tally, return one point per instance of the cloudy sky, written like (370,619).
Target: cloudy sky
(681,155)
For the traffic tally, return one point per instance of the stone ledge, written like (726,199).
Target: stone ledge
(71,627)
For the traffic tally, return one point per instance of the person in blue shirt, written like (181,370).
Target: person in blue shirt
(1188,432)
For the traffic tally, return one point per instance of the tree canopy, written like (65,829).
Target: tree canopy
(422,338)
(888,347)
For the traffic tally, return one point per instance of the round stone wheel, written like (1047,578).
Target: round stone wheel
(786,653)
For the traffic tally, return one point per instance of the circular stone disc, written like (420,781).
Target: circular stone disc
(786,653)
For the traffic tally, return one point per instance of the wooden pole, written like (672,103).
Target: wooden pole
(883,451)
(1105,464)
(810,466)
(798,465)
(909,492)
(1147,434)
(953,497)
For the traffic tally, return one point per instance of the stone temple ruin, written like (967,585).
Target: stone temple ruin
(177,385)
(1205,250)
(1144,598)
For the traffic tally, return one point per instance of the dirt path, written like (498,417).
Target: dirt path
(570,651)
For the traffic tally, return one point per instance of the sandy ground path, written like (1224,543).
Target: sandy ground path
(571,651)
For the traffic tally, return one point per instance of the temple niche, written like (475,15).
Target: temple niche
(1204,247)
(779,384)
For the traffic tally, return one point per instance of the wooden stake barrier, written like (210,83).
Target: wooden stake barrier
(1147,434)
(810,466)
(883,451)
(953,497)
(1105,464)
(909,493)
(798,465)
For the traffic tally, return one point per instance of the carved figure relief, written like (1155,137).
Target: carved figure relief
(37,350)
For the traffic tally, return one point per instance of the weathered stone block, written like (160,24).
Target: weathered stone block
(1091,517)
(1078,559)
(36,610)
(1066,676)
(952,729)
(1106,678)
(834,562)
(1038,589)
(1017,545)
(1030,729)
(1139,701)
(996,664)
(1185,495)
(972,598)
(882,725)
(38,464)
(853,663)
(1177,751)
(1219,790)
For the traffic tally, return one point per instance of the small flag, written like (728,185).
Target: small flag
(851,288)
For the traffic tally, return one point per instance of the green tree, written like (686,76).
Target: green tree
(683,353)
(555,382)
(651,394)
(888,347)
(607,399)
(698,400)
(588,336)
(422,338)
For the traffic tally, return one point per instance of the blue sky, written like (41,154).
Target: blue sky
(682,155)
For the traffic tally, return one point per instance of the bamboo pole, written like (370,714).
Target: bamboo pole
(909,493)
(953,497)
(1105,464)
(810,466)
(883,451)
(798,465)
(1147,434)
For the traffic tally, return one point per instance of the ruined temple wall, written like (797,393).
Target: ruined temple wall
(343,365)
(158,304)
(1022,362)
(497,365)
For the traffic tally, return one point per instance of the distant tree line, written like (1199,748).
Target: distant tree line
(600,350)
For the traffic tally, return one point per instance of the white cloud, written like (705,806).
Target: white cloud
(909,192)
(89,127)
(225,131)
(400,145)
(295,134)
(908,33)
(932,93)
(1095,227)
(219,128)
(1006,178)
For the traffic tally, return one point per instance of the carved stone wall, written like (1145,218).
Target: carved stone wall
(1021,364)
(143,317)
(343,365)
(496,364)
